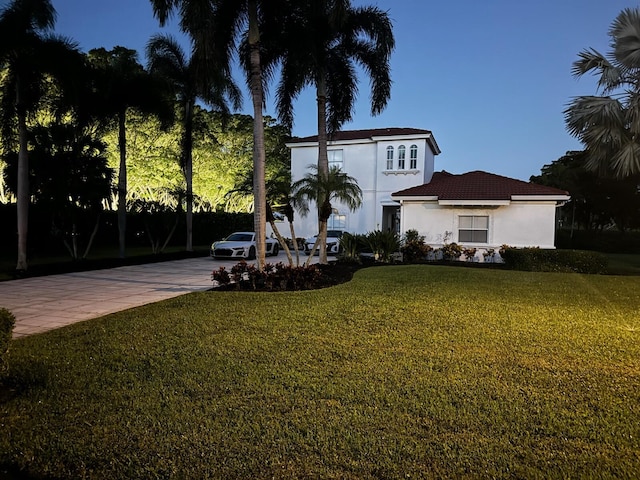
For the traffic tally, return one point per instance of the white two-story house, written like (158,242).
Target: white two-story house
(394,168)
(383,161)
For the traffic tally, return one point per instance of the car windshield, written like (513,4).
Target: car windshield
(240,237)
(334,233)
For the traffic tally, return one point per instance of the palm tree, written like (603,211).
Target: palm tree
(278,191)
(190,79)
(124,84)
(609,125)
(215,27)
(323,190)
(31,55)
(331,39)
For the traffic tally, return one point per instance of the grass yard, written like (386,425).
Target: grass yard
(405,372)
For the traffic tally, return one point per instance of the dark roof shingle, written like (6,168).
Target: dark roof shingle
(476,185)
(364,134)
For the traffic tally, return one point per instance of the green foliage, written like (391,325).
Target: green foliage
(351,244)
(597,201)
(414,248)
(222,159)
(274,277)
(7,322)
(382,244)
(542,260)
(451,251)
(437,371)
(602,123)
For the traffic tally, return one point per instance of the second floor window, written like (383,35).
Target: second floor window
(389,158)
(413,157)
(335,159)
(402,153)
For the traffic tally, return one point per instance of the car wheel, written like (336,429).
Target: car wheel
(276,250)
(252,253)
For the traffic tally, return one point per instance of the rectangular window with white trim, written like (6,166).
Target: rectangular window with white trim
(335,159)
(473,229)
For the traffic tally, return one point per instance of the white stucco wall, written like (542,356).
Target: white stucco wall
(520,224)
(366,161)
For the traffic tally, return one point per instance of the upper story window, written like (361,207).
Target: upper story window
(337,221)
(473,228)
(389,158)
(402,153)
(335,159)
(413,157)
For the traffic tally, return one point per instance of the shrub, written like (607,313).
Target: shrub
(488,255)
(278,277)
(470,254)
(414,248)
(7,322)
(382,244)
(451,251)
(543,260)
(351,246)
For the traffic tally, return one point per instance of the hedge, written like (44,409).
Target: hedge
(542,260)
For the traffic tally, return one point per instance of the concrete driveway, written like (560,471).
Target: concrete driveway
(44,303)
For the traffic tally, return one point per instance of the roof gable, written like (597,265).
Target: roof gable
(477,185)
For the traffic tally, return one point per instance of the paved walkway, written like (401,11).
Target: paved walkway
(44,303)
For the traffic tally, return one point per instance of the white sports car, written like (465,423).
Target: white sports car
(333,243)
(242,245)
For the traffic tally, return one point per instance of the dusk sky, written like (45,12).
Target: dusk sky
(489,79)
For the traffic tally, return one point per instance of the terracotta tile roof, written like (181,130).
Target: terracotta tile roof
(476,185)
(364,134)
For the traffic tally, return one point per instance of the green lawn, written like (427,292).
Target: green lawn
(406,372)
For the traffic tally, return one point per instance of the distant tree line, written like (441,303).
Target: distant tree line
(597,201)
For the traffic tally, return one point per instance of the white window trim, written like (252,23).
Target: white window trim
(474,229)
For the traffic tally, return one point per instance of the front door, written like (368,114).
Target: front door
(391,219)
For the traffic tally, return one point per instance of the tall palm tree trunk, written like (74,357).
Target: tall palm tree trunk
(23,182)
(187,152)
(122,183)
(323,162)
(259,189)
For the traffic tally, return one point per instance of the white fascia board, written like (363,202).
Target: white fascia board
(540,198)
(389,203)
(332,143)
(412,198)
(474,202)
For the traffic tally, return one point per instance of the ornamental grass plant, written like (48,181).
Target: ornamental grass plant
(416,371)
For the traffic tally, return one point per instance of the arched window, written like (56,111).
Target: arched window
(402,152)
(389,158)
(413,157)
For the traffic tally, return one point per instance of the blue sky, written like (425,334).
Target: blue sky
(490,79)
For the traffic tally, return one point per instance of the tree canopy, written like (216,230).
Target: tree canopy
(609,124)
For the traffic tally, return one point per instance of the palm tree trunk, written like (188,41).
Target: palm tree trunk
(187,152)
(23,183)
(259,189)
(282,242)
(323,160)
(122,183)
(295,243)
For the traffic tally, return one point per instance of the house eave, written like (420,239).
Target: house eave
(414,198)
(540,198)
(474,203)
